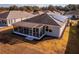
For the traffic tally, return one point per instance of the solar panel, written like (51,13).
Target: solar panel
(59,17)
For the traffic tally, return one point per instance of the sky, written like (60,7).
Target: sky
(40,5)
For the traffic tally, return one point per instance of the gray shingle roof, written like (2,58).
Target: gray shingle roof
(15,14)
(42,19)
(4,15)
(47,19)
(72,13)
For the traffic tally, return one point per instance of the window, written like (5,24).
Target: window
(43,29)
(16,29)
(20,29)
(9,21)
(37,32)
(4,22)
(30,31)
(0,22)
(41,33)
(26,31)
(14,20)
(34,31)
(46,28)
(50,30)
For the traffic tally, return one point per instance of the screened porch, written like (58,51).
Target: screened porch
(31,29)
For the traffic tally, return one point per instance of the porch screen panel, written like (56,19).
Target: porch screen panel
(42,30)
(34,31)
(20,29)
(16,29)
(0,21)
(26,31)
(37,32)
(30,31)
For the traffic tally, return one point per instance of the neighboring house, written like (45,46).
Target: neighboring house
(57,12)
(61,12)
(72,14)
(50,24)
(10,17)
(37,12)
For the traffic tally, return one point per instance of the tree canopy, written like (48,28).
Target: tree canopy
(69,7)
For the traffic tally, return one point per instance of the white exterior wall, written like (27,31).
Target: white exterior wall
(55,31)
(14,21)
(62,29)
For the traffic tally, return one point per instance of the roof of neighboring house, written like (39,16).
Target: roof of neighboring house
(38,12)
(72,12)
(15,14)
(4,15)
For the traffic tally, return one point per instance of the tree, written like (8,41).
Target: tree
(44,8)
(71,7)
(13,7)
(51,8)
(28,8)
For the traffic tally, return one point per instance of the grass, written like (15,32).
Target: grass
(73,41)
(10,43)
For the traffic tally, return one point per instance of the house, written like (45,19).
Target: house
(10,17)
(61,12)
(72,14)
(50,24)
(37,12)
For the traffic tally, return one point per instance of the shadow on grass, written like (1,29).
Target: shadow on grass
(6,37)
(73,41)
